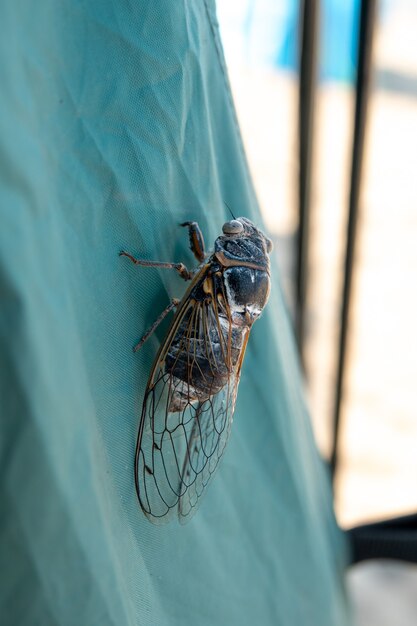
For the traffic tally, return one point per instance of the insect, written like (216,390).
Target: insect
(191,392)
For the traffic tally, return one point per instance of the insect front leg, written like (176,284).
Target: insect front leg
(196,240)
(180,267)
(172,305)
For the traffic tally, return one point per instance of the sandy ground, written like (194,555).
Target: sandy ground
(378,460)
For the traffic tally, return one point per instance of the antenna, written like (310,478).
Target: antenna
(229,209)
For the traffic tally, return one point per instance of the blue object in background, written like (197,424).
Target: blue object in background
(338,37)
(269,35)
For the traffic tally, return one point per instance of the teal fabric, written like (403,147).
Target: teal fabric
(117,124)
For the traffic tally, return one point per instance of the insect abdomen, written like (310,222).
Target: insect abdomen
(204,368)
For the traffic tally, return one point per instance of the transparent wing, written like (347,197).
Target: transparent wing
(209,436)
(188,409)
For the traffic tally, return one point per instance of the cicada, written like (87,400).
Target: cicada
(191,392)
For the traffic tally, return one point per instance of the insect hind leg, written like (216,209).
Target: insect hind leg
(196,240)
(172,305)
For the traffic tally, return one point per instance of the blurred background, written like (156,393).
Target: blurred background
(297,115)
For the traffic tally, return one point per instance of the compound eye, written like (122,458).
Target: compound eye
(269,246)
(232,228)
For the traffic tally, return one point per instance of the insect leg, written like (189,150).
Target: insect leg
(196,240)
(180,267)
(174,303)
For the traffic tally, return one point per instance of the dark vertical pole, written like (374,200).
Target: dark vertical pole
(367,18)
(309,10)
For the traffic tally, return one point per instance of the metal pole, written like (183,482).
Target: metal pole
(309,11)
(367,18)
